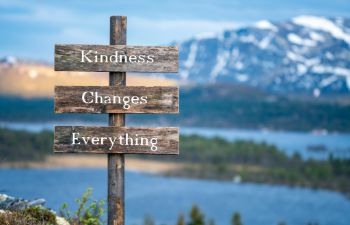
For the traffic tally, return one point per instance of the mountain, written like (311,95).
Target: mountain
(36,79)
(306,54)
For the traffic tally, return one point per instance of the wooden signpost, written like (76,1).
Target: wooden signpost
(140,140)
(118,58)
(97,99)
(116,100)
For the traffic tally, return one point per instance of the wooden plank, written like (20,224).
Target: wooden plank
(98,99)
(126,140)
(117,58)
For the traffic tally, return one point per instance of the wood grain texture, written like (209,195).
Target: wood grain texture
(167,140)
(68,99)
(68,58)
(116,162)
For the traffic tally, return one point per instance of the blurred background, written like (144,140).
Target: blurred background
(264,109)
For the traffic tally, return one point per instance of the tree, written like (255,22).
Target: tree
(196,216)
(148,220)
(236,219)
(181,220)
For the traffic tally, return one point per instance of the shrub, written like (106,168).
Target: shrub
(29,216)
(41,214)
(89,212)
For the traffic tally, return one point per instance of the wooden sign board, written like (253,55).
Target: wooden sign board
(116,58)
(98,99)
(126,140)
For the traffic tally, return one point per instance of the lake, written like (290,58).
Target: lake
(337,144)
(164,198)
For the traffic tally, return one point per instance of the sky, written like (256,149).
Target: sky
(30,28)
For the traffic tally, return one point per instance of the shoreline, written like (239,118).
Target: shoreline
(49,125)
(95,161)
(147,166)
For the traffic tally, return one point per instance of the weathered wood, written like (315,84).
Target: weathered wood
(116,162)
(127,140)
(69,99)
(116,58)
(69,58)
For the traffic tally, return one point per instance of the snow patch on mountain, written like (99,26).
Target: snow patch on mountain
(329,80)
(264,43)
(333,70)
(242,77)
(301,68)
(264,24)
(324,24)
(316,36)
(221,61)
(190,61)
(306,53)
(206,35)
(300,41)
(295,57)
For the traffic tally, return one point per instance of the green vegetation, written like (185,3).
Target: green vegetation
(197,217)
(29,216)
(224,106)
(248,161)
(24,146)
(84,215)
(41,214)
(213,158)
(254,109)
(89,212)
(243,107)
(236,219)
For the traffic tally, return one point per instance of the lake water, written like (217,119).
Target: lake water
(164,198)
(333,143)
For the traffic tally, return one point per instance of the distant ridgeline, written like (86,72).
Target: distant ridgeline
(230,105)
(309,54)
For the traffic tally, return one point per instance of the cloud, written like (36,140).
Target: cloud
(74,35)
(170,30)
(22,12)
(180,24)
(43,23)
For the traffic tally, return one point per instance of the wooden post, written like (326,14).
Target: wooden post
(116,206)
(159,100)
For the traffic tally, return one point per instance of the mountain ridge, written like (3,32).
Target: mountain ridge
(308,54)
(304,55)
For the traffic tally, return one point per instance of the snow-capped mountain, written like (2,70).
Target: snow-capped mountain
(306,53)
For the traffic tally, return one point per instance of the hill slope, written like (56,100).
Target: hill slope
(307,53)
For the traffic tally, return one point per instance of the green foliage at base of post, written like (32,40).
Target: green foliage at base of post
(89,212)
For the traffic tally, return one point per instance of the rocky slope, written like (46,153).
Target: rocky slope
(305,54)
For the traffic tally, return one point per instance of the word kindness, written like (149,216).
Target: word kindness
(89,97)
(116,58)
(90,56)
(112,141)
